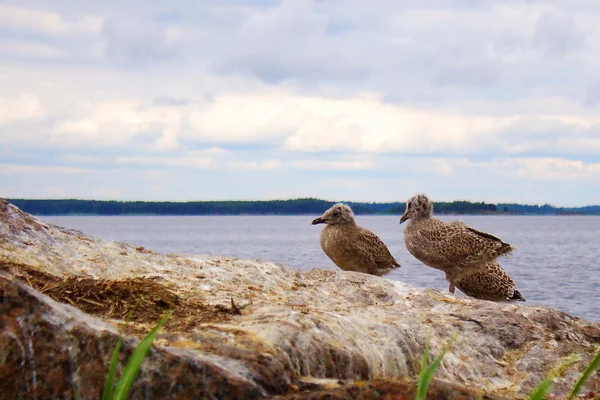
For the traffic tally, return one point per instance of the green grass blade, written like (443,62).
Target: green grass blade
(427,374)
(107,393)
(585,376)
(135,361)
(541,391)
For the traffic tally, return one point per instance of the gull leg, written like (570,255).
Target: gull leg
(451,288)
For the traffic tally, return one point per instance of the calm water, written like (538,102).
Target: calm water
(556,262)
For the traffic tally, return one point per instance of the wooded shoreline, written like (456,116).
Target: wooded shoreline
(303,206)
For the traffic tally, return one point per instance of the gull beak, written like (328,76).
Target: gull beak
(317,221)
(404,218)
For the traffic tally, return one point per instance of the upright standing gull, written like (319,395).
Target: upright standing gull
(466,255)
(351,247)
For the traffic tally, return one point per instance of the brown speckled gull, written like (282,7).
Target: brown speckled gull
(352,247)
(466,255)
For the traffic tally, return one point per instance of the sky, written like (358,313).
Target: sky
(495,101)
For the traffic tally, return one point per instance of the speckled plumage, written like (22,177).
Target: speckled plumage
(466,255)
(352,247)
(488,282)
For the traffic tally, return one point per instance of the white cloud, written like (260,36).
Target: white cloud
(303,165)
(114,123)
(46,22)
(23,107)
(31,50)
(528,169)
(368,125)
(442,167)
(157,162)
(84,159)
(234,118)
(21,169)
(412,96)
(255,165)
(208,151)
(550,169)
(325,165)
(33,20)
(296,122)
(288,120)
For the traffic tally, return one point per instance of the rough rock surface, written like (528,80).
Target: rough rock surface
(318,334)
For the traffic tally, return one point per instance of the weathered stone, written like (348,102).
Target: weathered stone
(378,389)
(49,350)
(249,329)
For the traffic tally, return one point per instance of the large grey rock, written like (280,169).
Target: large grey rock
(64,294)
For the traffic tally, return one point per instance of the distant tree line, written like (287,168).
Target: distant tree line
(271,207)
